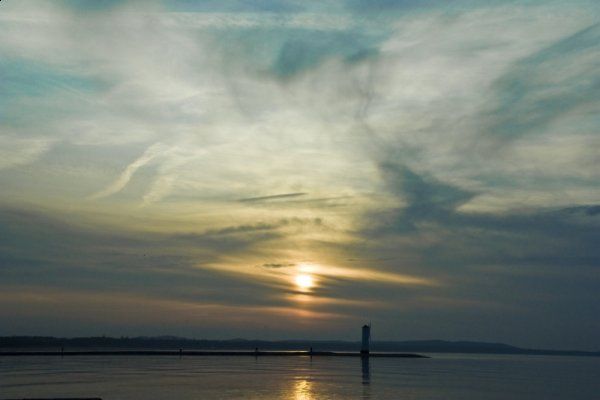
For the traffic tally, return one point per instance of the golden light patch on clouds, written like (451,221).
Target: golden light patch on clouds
(306,278)
(365,274)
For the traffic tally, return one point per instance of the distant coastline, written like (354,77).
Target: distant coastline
(103,343)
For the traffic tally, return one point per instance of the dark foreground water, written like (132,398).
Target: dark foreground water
(445,377)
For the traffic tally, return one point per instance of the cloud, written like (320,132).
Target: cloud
(272,197)
(532,94)
(128,312)
(277,265)
(45,251)
(435,161)
(150,153)
(430,207)
(241,229)
(425,198)
(99,5)
(386,6)
(236,6)
(15,151)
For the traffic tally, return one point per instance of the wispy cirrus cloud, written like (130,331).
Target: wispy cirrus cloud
(150,153)
(272,197)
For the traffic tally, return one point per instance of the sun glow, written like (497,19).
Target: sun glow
(304,282)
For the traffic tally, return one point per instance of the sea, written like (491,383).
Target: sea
(443,376)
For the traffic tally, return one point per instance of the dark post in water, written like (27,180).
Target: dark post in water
(366,338)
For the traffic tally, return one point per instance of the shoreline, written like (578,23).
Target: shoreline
(181,353)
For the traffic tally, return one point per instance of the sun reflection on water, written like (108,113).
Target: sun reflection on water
(303,390)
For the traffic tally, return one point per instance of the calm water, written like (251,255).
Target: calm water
(442,377)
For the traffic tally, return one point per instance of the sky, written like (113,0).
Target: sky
(281,169)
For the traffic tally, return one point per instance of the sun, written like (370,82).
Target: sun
(304,282)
